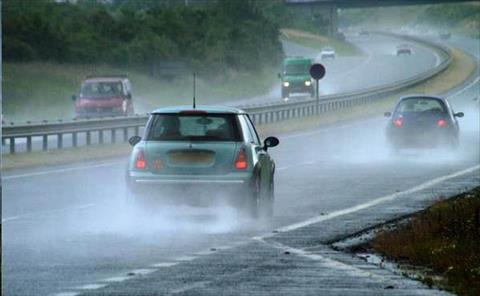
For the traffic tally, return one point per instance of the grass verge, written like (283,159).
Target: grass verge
(445,238)
(342,48)
(461,68)
(64,156)
(37,91)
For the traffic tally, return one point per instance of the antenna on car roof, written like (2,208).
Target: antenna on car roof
(194,89)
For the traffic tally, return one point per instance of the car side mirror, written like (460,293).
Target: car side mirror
(270,142)
(74,97)
(459,114)
(387,114)
(129,96)
(134,140)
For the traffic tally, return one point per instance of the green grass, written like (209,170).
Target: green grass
(445,238)
(315,41)
(37,91)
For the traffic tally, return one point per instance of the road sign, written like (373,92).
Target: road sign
(317,71)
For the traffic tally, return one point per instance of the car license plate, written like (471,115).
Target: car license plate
(182,158)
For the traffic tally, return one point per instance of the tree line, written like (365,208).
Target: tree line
(212,37)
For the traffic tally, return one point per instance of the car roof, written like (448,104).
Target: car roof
(297,60)
(105,79)
(421,96)
(206,108)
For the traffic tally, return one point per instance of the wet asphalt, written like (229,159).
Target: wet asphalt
(67,231)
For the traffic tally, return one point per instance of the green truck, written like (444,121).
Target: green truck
(296,76)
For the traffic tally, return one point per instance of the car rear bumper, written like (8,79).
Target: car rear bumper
(419,140)
(190,189)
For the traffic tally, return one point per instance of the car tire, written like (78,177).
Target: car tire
(266,203)
(260,203)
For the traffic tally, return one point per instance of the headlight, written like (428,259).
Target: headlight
(286,84)
(308,83)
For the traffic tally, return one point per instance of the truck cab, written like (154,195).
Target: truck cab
(104,96)
(296,77)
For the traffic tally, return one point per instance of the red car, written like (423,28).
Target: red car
(104,96)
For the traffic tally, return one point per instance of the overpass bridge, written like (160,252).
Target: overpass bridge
(328,8)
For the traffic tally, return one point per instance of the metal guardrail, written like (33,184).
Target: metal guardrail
(260,114)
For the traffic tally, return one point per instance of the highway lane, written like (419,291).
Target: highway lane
(378,66)
(65,229)
(70,232)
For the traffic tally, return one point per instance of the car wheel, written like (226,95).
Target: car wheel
(252,202)
(266,203)
(260,203)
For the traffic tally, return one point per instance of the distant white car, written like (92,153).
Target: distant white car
(327,53)
(404,49)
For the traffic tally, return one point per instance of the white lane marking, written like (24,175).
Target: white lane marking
(67,294)
(326,262)
(185,258)
(10,219)
(57,171)
(91,286)
(164,264)
(116,279)
(43,213)
(206,252)
(372,202)
(143,271)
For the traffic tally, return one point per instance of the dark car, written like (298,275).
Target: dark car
(421,121)
(199,154)
(403,49)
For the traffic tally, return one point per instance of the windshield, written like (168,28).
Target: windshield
(297,69)
(101,89)
(175,127)
(417,105)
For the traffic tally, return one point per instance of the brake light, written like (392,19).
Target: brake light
(398,122)
(241,160)
(441,123)
(140,159)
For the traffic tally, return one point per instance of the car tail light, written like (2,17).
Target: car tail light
(398,122)
(441,123)
(140,162)
(241,160)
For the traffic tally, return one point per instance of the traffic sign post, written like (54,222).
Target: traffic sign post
(317,71)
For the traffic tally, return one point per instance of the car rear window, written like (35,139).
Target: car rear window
(101,89)
(420,105)
(194,127)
